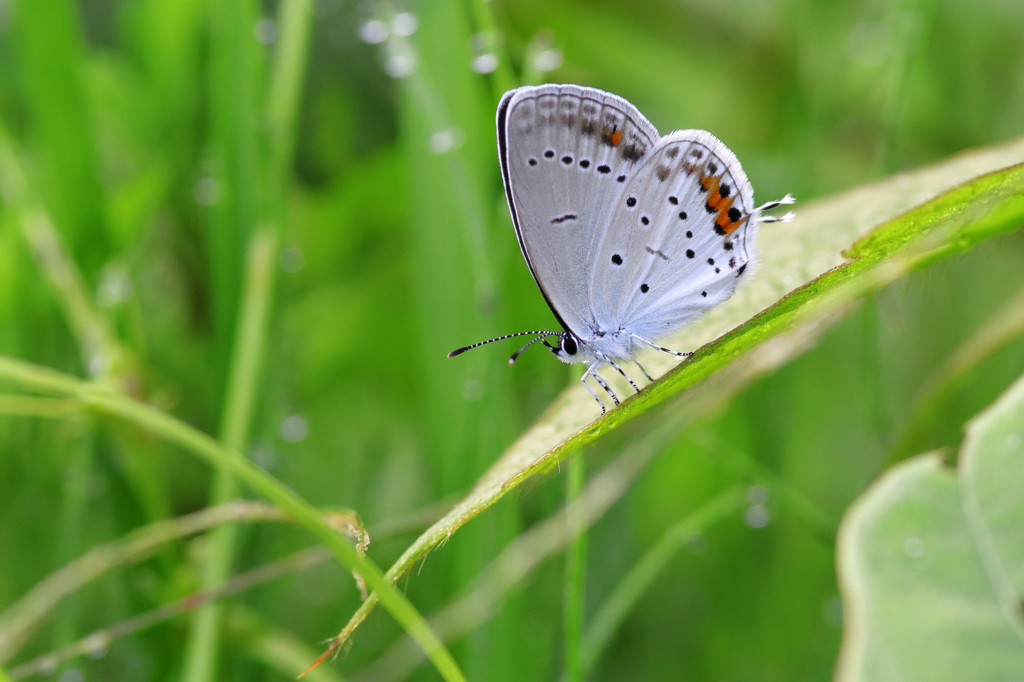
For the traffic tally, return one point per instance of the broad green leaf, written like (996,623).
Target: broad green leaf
(957,212)
(931,562)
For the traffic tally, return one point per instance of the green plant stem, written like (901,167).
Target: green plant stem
(294,22)
(215,454)
(242,391)
(490,41)
(575,568)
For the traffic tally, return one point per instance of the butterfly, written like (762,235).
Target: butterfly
(629,235)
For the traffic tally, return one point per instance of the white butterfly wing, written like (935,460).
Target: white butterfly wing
(680,236)
(568,155)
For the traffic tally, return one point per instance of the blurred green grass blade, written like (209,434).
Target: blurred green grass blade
(233,218)
(19,620)
(294,20)
(627,593)
(242,392)
(930,561)
(234,74)
(446,134)
(144,416)
(488,40)
(250,334)
(101,353)
(1005,326)
(51,57)
(957,218)
(575,571)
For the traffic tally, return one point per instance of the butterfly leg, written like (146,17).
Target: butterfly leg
(600,380)
(662,349)
(591,391)
(619,369)
(643,370)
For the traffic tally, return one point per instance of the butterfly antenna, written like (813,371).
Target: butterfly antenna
(529,343)
(788,199)
(542,334)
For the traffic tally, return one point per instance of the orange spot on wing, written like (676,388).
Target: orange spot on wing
(720,205)
(727,225)
(710,183)
(616,137)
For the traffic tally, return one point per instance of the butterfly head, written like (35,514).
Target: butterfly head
(568,349)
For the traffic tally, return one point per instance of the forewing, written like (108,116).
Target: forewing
(567,156)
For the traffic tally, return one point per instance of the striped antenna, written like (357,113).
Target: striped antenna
(541,333)
(529,343)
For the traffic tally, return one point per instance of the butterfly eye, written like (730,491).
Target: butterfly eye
(568,345)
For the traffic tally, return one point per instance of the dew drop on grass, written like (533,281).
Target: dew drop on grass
(914,548)
(400,65)
(373,32)
(404,24)
(757,516)
(485,63)
(293,259)
(294,429)
(265,32)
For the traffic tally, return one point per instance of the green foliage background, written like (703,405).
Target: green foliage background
(157,138)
